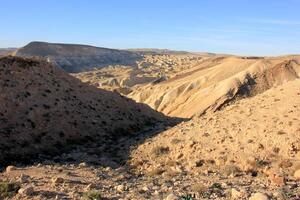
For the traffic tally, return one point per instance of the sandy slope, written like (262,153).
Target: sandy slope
(232,148)
(42,109)
(255,135)
(248,147)
(265,127)
(208,85)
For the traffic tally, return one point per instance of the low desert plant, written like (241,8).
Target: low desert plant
(160,150)
(198,188)
(155,172)
(92,195)
(188,197)
(231,170)
(8,190)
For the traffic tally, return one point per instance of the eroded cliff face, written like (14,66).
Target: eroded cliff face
(78,58)
(214,82)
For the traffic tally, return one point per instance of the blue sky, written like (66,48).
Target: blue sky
(244,27)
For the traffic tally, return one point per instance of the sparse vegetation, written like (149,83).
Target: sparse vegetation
(155,172)
(188,197)
(231,170)
(92,195)
(8,190)
(160,150)
(198,188)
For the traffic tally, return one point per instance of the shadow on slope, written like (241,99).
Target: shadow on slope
(46,114)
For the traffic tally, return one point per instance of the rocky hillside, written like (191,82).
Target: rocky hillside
(248,150)
(215,81)
(43,110)
(77,58)
(248,147)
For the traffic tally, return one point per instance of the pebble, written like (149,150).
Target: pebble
(57,180)
(120,188)
(172,197)
(24,178)
(28,191)
(89,187)
(259,196)
(83,164)
(145,189)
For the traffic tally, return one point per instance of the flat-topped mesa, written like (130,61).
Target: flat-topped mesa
(77,58)
(43,110)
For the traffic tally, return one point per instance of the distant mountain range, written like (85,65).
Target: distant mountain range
(155,51)
(76,58)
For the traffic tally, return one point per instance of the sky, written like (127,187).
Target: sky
(242,27)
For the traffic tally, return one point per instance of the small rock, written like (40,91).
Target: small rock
(180,155)
(24,178)
(57,180)
(145,189)
(10,168)
(90,187)
(237,194)
(297,174)
(259,196)
(83,164)
(120,188)
(277,180)
(199,163)
(28,191)
(172,197)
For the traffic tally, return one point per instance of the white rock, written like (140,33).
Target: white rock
(83,164)
(172,197)
(259,196)
(26,191)
(57,180)
(145,189)
(120,188)
(10,168)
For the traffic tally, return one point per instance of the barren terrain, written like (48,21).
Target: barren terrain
(232,130)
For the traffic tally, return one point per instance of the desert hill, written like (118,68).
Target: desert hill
(242,141)
(77,58)
(190,85)
(252,145)
(214,82)
(43,110)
